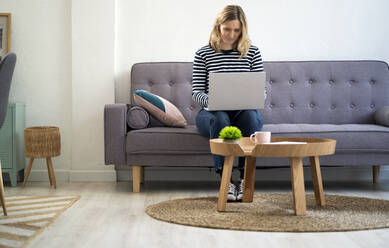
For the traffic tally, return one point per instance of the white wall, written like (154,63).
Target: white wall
(172,30)
(71,53)
(40,36)
(93,51)
(65,75)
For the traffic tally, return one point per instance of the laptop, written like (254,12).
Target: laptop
(236,91)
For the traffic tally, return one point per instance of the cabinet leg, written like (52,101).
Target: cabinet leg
(28,171)
(13,178)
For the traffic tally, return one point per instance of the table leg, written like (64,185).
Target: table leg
(249,179)
(226,178)
(317,182)
(296,165)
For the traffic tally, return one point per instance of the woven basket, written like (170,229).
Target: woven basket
(42,142)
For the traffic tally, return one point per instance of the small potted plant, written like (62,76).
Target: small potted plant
(230,134)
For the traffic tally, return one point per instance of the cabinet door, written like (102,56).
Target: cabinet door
(6,133)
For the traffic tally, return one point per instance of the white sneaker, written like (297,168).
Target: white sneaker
(240,190)
(231,192)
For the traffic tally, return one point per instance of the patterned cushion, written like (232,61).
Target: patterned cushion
(160,108)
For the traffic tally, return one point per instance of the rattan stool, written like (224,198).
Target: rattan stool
(42,142)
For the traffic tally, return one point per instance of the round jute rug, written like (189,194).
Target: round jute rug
(274,213)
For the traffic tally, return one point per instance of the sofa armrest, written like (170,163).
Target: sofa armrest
(115,133)
(381,116)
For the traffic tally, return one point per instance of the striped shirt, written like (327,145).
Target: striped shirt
(207,61)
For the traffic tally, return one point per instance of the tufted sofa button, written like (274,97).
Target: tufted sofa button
(291,81)
(271,82)
(271,105)
(171,83)
(333,107)
(372,105)
(312,105)
(332,81)
(191,107)
(372,82)
(352,81)
(151,83)
(291,105)
(310,81)
(352,105)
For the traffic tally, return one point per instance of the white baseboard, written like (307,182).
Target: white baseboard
(277,174)
(92,176)
(42,176)
(75,175)
(205,174)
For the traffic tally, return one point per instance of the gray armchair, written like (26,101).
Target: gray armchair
(7,66)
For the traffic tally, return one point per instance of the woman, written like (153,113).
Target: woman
(229,50)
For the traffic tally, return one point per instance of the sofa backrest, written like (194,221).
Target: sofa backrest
(331,92)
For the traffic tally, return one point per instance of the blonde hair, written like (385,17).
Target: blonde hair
(230,13)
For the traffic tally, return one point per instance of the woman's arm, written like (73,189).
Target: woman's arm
(257,64)
(199,81)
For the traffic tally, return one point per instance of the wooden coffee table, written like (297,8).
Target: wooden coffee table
(313,148)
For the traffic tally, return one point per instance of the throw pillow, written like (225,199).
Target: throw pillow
(160,108)
(137,118)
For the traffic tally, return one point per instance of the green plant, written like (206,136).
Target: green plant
(231,132)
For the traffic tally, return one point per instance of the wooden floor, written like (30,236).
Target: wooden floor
(109,215)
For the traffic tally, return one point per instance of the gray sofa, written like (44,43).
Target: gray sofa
(343,100)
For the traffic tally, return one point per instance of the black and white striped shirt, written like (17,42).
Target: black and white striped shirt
(207,60)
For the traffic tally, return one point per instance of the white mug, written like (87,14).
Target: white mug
(260,137)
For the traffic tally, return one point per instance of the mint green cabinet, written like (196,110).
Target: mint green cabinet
(12,142)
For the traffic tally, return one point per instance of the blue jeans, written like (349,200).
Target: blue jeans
(210,123)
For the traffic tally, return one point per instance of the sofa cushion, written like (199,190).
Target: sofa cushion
(350,138)
(160,108)
(167,140)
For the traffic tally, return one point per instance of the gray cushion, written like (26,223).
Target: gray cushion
(350,137)
(137,118)
(167,140)
(382,116)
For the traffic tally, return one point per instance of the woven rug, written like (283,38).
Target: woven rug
(30,215)
(275,213)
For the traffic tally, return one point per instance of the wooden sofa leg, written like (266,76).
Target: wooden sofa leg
(136,178)
(376,173)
